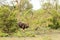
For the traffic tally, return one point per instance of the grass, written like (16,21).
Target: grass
(27,38)
(38,37)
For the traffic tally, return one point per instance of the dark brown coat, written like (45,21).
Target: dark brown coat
(23,25)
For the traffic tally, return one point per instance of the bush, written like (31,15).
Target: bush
(55,23)
(8,22)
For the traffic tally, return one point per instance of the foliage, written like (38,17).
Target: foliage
(55,19)
(39,20)
(7,20)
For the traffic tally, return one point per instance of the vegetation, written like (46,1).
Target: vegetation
(41,20)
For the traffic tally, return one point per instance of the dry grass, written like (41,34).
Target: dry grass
(55,36)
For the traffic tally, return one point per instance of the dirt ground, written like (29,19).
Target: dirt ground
(54,36)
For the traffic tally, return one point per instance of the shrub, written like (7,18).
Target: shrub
(7,20)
